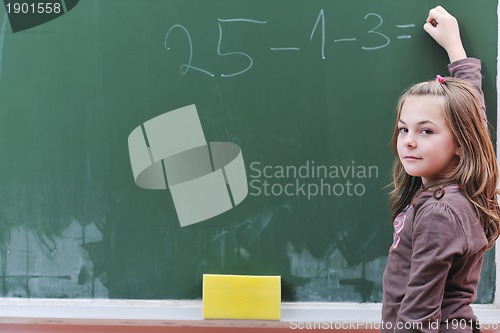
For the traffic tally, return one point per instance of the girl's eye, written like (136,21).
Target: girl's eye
(403,130)
(427,131)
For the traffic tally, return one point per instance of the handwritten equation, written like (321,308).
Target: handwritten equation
(379,40)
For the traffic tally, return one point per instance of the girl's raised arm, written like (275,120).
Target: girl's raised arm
(443,27)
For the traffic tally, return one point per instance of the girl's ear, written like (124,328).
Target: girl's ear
(458,151)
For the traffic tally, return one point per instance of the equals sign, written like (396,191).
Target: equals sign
(405,26)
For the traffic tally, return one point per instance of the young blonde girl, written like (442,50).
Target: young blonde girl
(444,198)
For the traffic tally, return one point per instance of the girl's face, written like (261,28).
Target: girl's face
(426,146)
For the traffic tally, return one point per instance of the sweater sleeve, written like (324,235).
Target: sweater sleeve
(469,69)
(437,237)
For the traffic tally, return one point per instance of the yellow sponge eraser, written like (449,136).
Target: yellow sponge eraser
(241,297)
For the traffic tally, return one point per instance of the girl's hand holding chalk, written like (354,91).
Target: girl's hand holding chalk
(443,28)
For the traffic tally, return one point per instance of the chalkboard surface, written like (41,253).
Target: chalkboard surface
(306,89)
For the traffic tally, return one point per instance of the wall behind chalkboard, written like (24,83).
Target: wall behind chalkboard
(307,89)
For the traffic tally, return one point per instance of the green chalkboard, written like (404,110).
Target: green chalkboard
(305,89)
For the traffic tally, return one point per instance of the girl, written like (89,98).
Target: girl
(444,199)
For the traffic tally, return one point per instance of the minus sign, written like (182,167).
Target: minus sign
(345,40)
(404,36)
(285,49)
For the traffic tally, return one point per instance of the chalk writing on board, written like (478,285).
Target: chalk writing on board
(219,52)
(186,67)
(321,17)
(374,31)
(379,40)
(404,26)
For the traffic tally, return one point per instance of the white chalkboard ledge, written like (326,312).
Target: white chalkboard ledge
(143,312)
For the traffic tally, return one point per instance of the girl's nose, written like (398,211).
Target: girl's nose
(409,141)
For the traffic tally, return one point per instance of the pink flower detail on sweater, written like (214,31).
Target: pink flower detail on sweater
(399,223)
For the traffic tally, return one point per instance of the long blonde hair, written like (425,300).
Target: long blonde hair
(477,170)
